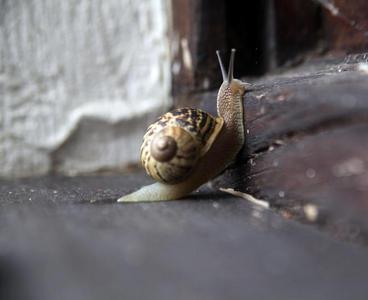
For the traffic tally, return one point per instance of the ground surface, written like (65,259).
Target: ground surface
(66,238)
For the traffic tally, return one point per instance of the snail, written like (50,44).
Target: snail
(187,147)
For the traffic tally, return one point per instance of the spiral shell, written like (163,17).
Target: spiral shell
(173,145)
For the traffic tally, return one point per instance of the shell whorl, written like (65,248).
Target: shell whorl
(173,144)
(163,147)
(176,159)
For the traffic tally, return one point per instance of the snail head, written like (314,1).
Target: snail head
(229,82)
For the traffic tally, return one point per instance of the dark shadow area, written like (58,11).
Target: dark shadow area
(297,28)
(268,34)
(245,29)
(12,279)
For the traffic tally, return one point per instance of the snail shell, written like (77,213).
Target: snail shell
(174,144)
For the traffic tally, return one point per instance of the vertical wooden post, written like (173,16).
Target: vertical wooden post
(198,30)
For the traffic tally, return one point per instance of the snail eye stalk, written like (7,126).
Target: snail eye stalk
(223,72)
(229,76)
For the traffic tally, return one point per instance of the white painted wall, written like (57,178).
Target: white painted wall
(79,82)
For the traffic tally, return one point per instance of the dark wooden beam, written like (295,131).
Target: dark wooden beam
(198,30)
(200,27)
(306,144)
(297,29)
(346,25)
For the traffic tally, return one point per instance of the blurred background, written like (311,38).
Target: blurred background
(81,80)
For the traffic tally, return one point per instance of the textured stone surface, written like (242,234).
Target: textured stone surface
(56,244)
(74,76)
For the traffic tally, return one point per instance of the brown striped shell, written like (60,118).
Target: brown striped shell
(173,145)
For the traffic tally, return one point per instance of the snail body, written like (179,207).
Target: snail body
(187,147)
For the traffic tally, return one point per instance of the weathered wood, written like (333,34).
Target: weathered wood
(198,31)
(55,244)
(307,139)
(346,25)
(297,30)
(267,33)
(202,27)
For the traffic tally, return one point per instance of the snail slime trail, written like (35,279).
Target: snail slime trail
(187,147)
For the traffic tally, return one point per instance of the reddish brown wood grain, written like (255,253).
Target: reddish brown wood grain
(297,27)
(307,128)
(306,143)
(346,25)
(198,30)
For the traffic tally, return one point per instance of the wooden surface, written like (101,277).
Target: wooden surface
(267,33)
(198,30)
(296,28)
(66,238)
(200,27)
(346,25)
(306,143)
(57,244)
